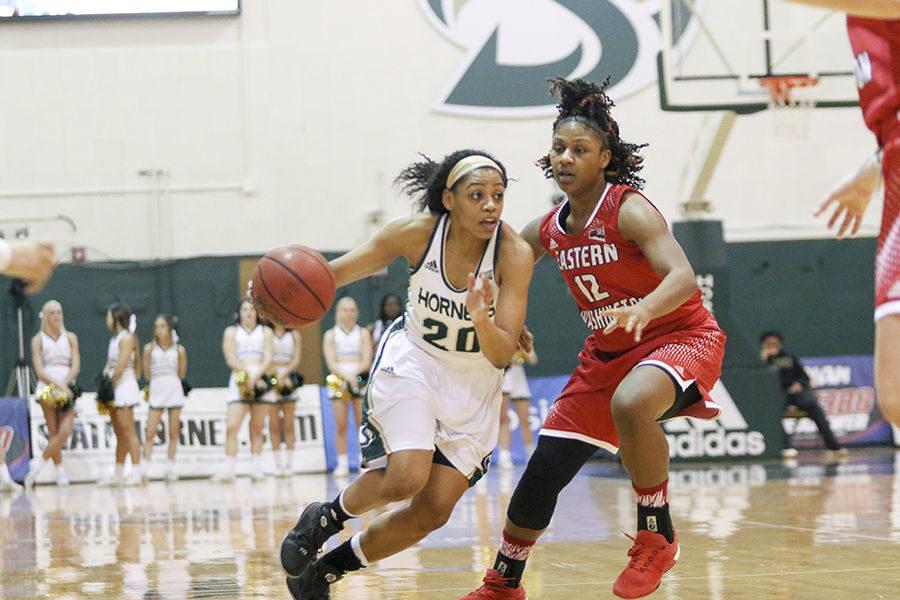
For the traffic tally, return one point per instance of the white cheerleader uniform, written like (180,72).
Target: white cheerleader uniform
(165,385)
(282,357)
(127,392)
(57,358)
(348,351)
(250,351)
(430,387)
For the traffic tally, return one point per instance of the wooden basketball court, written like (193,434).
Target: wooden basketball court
(804,530)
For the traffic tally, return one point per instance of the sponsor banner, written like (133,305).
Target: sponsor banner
(14,435)
(748,427)
(90,452)
(845,389)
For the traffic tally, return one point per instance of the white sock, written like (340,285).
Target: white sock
(145,467)
(529,449)
(60,472)
(357,550)
(281,457)
(37,464)
(170,465)
(120,470)
(289,458)
(342,461)
(230,464)
(254,463)
(4,472)
(505,455)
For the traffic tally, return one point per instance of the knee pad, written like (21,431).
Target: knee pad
(552,466)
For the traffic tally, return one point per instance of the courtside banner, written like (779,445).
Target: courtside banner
(845,389)
(14,435)
(90,452)
(748,428)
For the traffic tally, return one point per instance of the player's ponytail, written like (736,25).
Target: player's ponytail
(425,181)
(587,103)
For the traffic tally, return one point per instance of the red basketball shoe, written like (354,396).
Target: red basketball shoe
(651,556)
(494,588)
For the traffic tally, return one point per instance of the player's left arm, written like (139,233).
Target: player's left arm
(498,338)
(642,224)
(873,9)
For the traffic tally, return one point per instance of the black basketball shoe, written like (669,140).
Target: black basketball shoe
(300,546)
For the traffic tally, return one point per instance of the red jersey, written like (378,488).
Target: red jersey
(604,270)
(876,47)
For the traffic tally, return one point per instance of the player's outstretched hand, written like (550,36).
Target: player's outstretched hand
(526,340)
(633,318)
(33,262)
(478,298)
(850,199)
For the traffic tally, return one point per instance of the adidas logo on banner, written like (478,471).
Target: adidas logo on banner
(729,435)
(431,265)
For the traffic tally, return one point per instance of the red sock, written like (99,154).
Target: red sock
(510,562)
(656,496)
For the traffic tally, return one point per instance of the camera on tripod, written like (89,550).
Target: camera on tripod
(21,379)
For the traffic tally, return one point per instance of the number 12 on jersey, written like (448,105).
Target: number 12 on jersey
(590,287)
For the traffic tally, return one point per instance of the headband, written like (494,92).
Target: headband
(469,164)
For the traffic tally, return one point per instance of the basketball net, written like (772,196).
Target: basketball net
(790,115)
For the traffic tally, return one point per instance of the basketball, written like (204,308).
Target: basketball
(293,286)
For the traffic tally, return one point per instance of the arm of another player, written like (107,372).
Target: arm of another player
(499,338)
(641,223)
(873,9)
(376,254)
(531,233)
(852,196)
(31,261)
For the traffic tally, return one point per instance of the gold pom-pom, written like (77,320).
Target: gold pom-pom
(103,408)
(54,396)
(242,380)
(519,357)
(336,386)
(146,391)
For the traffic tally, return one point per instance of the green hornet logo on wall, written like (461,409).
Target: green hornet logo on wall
(514,46)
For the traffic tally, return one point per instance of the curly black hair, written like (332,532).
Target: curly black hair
(425,180)
(587,103)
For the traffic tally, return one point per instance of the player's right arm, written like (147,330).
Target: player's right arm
(851,197)
(401,237)
(531,233)
(874,9)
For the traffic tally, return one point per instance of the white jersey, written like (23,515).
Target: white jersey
(283,353)
(249,345)
(348,344)
(112,354)
(163,361)
(436,317)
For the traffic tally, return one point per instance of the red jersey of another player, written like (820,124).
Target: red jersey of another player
(604,270)
(876,47)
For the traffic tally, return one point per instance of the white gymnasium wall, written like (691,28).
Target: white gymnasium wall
(288,123)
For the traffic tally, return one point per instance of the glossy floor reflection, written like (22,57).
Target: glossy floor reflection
(806,530)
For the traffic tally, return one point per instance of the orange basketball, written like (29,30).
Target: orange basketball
(293,286)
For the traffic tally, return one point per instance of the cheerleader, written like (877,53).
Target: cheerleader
(286,360)
(165,365)
(348,353)
(516,392)
(247,346)
(57,362)
(122,362)
(391,309)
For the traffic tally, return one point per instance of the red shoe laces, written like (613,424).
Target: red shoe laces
(641,555)
(494,579)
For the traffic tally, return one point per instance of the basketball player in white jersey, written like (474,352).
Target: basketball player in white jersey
(165,365)
(432,407)
(247,346)
(348,353)
(286,355)
(517,394)
(57,362)
(122,362)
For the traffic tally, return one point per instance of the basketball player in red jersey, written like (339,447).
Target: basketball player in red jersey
(874,30)
(653,354)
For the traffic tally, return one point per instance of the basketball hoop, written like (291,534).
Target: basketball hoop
(790,115)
